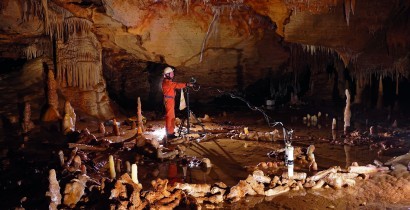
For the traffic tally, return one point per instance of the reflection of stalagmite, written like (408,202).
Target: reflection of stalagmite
(380,94)
(347,113)
(27,124)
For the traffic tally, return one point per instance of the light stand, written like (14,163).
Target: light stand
(188,111)
(188,114)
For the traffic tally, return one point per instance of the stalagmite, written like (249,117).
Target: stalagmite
(277,190)
(69,110)
(128,166)
(260,177)
(51,113)
(311,158)
(347,113)
(101,128)
(134,173)
(362,169)
(319,175)
(338,180)
(318,185)
(27,124)
(296,175)
(139,114)
(112,167)
(196,190)
(115,128)
(53,191)
(240,190)
(61,157)
(75,190)
(118,166)
(255,185)
(68,125)
(76,163)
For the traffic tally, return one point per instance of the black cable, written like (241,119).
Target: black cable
(287,134)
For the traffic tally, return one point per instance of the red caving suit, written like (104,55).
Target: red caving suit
(168,89)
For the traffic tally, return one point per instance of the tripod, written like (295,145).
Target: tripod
(187,117)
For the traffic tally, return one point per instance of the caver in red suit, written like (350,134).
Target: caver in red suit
(168,90)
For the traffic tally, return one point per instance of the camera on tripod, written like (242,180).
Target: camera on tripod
(193,80)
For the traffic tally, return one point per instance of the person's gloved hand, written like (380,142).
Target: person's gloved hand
(189,85)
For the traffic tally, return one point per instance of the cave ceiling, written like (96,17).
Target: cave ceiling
(207,36)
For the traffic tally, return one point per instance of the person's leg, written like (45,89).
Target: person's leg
(169,115)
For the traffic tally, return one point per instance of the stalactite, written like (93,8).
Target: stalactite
(75,24)
(38,48)
(31,52)
(79,61)
(216,12)
(56,19)
(187,2)
(359,91)
(347,11)
(44,5)
(352,5)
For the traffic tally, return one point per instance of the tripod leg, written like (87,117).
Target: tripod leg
(198,121)
(181,126)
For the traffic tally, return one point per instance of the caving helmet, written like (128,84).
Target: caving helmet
(168,70)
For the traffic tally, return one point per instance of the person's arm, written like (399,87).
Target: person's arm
(179,85)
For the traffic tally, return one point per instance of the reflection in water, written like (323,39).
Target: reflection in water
(334,133)
(347,154)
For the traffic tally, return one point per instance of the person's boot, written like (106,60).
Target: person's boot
(171,136)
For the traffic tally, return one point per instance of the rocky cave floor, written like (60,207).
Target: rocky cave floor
(26,160)
(246,170)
